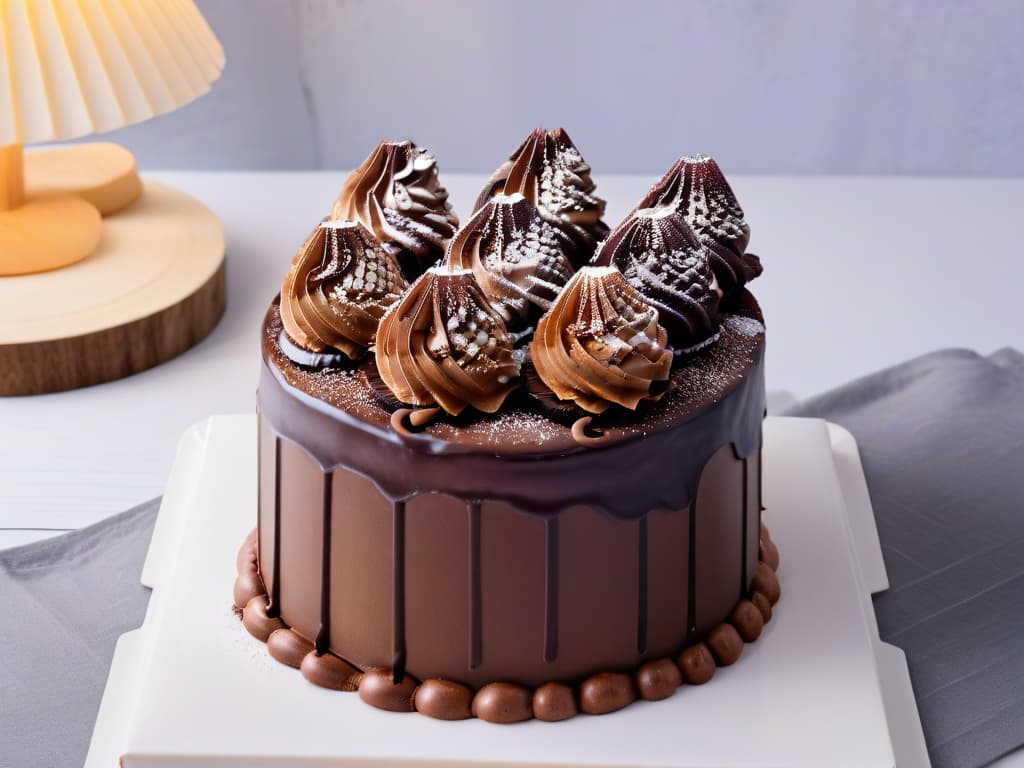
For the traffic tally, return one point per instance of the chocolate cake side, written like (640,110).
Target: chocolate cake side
(525,480)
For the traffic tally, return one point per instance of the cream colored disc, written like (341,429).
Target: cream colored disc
(101,173)
(153,288)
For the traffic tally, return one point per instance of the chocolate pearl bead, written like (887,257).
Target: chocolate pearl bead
(378,689)
(328,671)
(255,619)
(697,664)
(769,554)
(766,582)
(247,586)
(502,703)
(553,702)
(725,644)
(763,605)
(246,558)
(606,692)
(443,700)
(658,679)
(748,621)
(288,647)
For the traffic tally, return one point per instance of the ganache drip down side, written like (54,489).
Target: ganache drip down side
(402,466)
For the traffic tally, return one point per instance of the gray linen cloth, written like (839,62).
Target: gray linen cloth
(942,441)
(63,604)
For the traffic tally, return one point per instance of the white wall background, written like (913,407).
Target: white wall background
(791,86)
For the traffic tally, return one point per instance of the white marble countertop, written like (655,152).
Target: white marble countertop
(860,273)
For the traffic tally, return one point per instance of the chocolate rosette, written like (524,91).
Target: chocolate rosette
(339,286)
(600,343)
(551,173)
(444,345)
(663,258)
(696,187)
(396,195)
(519,259)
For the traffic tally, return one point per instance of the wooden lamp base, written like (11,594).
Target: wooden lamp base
(153,288)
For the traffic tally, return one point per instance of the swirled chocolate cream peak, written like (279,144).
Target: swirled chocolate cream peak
(696,187)
(339,285)
(519,258)
(665,261)
(549,171)
(442,344)
(600,344)
(396,194)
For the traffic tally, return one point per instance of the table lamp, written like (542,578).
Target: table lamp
(145,283)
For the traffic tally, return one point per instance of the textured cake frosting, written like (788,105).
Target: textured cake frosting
(396,194)
(600,343)
(443,344)
(490,488)
(696,187)
(551,173)
(520,260)
(666,262)
(340,283)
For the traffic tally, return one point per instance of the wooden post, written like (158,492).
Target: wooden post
(12,177)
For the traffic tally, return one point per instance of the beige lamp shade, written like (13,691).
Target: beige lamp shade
(75,67)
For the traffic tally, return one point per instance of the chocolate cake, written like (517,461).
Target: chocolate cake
(523,481)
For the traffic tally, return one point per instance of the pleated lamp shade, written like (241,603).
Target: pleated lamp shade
(74,67)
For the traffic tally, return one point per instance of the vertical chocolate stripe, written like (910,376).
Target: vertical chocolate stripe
(475,595)
(760,483)
(691,579)
(641,598)
(323,637)
(274,606)
(745,534)
(398,622)
(551,589)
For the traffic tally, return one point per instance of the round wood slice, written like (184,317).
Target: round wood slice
(154,288)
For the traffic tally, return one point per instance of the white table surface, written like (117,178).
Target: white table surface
(861,273)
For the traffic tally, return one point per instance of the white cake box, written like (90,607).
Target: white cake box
(192,688)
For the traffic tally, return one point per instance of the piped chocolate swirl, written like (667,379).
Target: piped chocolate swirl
(396,194)
(444,345)
(664,260)
(551,173)
(600,344)
(519,259)
(696,187)
(340,283)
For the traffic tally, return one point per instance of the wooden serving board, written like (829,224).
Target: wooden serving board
(153,289)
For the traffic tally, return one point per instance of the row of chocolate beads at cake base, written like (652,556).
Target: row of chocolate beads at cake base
(500,702)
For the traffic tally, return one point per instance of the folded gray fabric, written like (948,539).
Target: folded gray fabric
(63,604)
(942,442)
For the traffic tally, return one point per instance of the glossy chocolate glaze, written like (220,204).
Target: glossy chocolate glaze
(718,399)
(481,559)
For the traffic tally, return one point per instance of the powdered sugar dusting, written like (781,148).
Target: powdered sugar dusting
(702,379)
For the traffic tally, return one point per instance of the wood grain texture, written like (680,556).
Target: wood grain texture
(153,289)
(80,361)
